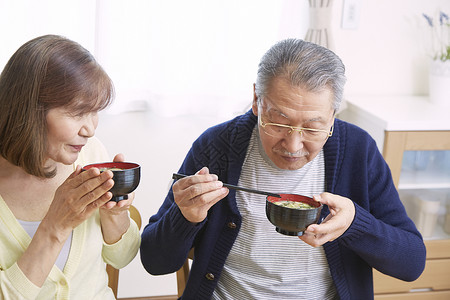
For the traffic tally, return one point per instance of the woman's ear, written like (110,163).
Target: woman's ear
(255,102)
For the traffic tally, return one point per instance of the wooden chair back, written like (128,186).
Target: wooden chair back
(183,274)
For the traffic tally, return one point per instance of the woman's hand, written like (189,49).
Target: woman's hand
(342,213)
(80,195)
(114,215)
(196,194)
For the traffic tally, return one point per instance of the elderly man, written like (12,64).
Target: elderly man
(290,142)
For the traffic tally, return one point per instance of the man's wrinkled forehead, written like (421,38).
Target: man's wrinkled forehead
(287,110)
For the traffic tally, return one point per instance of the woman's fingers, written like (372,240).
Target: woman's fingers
(79,191)
(119,158)
(92,185)
(114,207)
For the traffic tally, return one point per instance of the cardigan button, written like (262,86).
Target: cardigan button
(210,276)
(62,282)
(231,225)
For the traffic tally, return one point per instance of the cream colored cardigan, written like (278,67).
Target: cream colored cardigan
(84,275)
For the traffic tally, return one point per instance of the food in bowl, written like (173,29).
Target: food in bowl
(294,204)
(111,169)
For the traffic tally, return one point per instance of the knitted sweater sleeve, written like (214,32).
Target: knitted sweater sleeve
(381,234)
(168,237)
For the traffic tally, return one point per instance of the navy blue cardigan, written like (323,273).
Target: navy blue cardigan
(381,235)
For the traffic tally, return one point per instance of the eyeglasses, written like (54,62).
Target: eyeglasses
(308,134)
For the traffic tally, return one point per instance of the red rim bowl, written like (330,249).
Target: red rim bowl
(292,221)
(126,180)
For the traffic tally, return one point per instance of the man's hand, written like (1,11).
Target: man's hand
(342,213)
(196,194)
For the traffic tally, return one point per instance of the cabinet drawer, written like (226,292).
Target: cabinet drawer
(438,248)
(438,295)
(435,277)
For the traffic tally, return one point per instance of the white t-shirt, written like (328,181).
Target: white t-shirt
(264,264)
(31,228)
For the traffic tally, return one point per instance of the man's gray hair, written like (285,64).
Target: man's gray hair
(303,64)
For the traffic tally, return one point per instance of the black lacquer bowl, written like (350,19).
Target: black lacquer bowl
(292,221)
(126,176)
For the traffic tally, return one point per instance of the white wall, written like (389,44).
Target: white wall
(22,20)
(385,55)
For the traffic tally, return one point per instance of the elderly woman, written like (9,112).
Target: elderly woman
(57,225)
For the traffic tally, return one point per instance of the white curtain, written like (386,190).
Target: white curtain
(22,20)
(319,31)
(171,56)
(197,56)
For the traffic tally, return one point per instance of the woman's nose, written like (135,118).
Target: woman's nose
(89,125)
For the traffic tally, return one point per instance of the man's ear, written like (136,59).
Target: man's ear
(255,102)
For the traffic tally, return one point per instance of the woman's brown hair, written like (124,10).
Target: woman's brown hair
(47,72)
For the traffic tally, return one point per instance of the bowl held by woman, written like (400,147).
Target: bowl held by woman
(126,176)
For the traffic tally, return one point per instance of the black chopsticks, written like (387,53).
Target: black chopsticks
(235,187)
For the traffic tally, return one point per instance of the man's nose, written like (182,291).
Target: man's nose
(293,142)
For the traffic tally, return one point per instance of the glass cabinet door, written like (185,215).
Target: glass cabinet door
(424,189)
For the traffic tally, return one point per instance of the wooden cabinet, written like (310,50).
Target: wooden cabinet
(400,124)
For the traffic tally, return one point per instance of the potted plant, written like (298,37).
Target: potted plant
(439,77)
